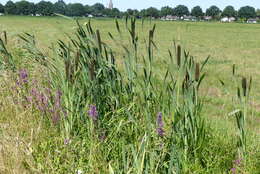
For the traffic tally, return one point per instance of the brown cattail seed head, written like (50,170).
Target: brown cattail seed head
(244,85)
(5,36)
(234,69)
(179,55)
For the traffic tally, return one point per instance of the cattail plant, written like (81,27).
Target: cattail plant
(241,115)
(6,58)
(189,124)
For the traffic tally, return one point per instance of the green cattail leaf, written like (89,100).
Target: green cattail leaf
(204,63)
(117,27)
(222,82)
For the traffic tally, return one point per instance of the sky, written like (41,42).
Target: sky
(141,4)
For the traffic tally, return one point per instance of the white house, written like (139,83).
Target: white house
(225,19)
(252,21)
(207,18)
(228,19)
(232,19)
(170,18)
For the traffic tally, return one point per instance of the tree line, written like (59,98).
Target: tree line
(47,8)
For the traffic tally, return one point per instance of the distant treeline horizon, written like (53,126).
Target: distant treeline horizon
(47,8)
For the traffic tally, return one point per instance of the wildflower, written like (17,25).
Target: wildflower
(102,137)
(23,76)
(58,99)
(92,112)
(160,130)
(67,141)
(79,171)
(233,170)
(29,99)
(55,117)
(238,162)
(34,92)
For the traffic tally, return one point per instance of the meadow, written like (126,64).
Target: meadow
(128,98)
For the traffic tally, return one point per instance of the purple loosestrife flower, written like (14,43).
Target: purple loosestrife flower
(238,162)
(66,141)
(58,99)
(55,117)
(160,130)
(23,76)
(29,99)
(92,112)
(233,170)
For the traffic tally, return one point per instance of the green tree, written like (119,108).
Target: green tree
(33,8)
(197,11)
(45,8)
(2,8)
(88,9)
(247,12)
(181,10)
(112,12)
(76,9)
(60,7)
(10,8)
(130,12)
(213,11)
(258,12)
(229,11)
(142,13)
(97,9)
(152,12)
(166,11)
(23,7)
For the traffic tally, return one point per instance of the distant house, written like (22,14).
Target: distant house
(170,18)
(1,14)
(232,19)
(228,19)
(189,18)
(225,19)
(207,18)
(252,21)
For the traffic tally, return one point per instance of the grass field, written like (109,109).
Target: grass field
(30,145)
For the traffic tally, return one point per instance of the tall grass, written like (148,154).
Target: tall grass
(118,114)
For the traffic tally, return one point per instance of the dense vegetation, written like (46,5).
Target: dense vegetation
(95,108)
(46,8)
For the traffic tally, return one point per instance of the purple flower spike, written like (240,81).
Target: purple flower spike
(58,99)
(66,141)
(238,162)
(29,99)
(92,112)
(233,170)
(23,75)
(160,130)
